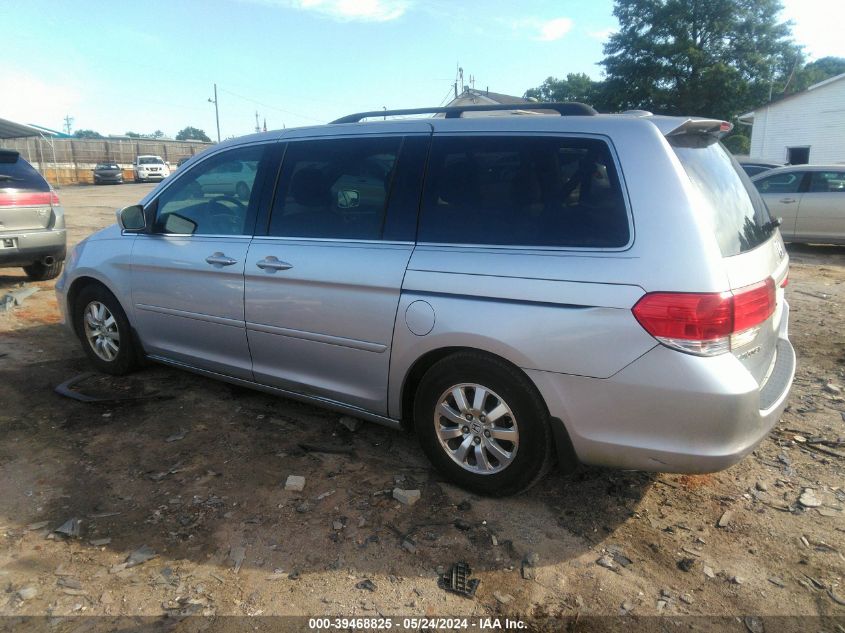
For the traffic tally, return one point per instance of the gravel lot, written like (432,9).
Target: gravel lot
(196,474)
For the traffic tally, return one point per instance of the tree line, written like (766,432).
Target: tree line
(185,134)
(714,58)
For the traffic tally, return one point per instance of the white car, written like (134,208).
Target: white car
(150,168)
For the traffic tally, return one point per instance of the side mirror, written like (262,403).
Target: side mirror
(132,218)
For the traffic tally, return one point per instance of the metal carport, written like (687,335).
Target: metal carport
(12,129)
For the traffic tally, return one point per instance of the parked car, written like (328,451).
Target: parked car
(809,199)
(233,178)
(108,172)
(517,289)
(32,222)
(754,166)
(148,168)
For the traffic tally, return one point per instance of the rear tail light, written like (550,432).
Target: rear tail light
(707,323)
(785,281)
(28,199)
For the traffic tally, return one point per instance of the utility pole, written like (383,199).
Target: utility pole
(68,124)
(216,112)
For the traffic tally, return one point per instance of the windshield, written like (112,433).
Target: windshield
(150,160)
(738,214)
(107,166)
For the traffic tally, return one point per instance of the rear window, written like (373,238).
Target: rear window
(21,175)
(523,191)
(739,217)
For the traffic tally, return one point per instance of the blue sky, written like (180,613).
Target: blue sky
(143,65)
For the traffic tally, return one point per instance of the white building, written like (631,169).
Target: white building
(805,127)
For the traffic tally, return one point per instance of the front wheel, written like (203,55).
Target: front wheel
(104,331)
(482,424)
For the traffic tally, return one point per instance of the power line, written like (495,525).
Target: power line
(267,105)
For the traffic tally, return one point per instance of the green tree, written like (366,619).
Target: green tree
(192,134)
(87,134)
(814,72)
(576,87)
(713,58)
(737,143)
(133,135)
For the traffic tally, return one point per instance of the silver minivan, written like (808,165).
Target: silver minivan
(517,290)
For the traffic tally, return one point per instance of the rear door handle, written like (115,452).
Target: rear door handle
(787,200)
(219,259)
(272,264)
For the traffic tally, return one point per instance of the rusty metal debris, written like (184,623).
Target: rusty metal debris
(457,580)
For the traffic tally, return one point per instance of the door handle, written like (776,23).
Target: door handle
(219,259)
(272,264)
(787,200)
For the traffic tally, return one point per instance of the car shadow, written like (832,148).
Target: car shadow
(195,469)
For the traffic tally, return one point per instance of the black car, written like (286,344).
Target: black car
(108,172)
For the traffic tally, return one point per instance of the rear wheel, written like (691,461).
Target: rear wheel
(39,271)
(103,329)
(482,424)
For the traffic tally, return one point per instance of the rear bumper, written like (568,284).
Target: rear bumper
(669,411)
(33,246)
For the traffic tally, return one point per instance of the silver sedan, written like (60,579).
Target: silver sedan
(810,200)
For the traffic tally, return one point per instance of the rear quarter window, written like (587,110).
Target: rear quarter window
(19,174)
(738,215)
(523,191)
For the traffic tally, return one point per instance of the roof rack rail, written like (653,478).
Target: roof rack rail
(455,112)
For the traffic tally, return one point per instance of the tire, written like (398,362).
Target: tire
(529,451)
(108,325)
(38,271)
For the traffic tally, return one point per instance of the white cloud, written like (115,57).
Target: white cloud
(28,99)
(554,29)
(601,34)
(349,10)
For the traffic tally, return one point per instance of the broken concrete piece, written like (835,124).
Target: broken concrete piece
(296,483)
(27,593)
(502,598)
(408,497)
(70,528)
(140,556)
(37,526)
(606,562)
(808,498)
(237,554)
(725,519)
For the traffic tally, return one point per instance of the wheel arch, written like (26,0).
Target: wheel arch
(563,449)
(75,289)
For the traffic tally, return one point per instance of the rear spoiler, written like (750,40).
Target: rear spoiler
(711,127)
(9,156)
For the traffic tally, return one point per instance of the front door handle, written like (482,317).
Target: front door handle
(272,264)
(219,259)
(787,200)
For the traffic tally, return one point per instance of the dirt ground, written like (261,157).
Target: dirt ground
(195,472)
